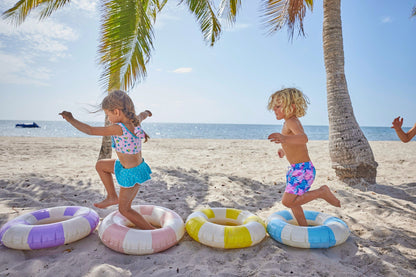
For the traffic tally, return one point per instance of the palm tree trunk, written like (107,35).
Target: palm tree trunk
(106,150)
(350,152)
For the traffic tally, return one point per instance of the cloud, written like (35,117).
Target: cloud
(16,69)
(386,19)
(182,70)
(235,27)
(85,5)
(44,35)
(28,49)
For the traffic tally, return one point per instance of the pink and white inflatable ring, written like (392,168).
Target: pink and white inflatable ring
(117,232)
(49,227)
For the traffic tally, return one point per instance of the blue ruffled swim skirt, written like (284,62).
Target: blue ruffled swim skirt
(129,177)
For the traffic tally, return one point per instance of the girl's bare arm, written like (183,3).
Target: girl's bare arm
(91,130)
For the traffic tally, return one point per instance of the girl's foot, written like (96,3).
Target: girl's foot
(106,203)
(329,197)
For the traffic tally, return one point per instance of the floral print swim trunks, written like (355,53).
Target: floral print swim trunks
(299,178)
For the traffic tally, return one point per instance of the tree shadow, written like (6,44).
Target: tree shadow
(28,192)
(406,191)
(190,189)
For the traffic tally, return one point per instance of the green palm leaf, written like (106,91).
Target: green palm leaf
(209,23)
(290,13)
(22,9)
(230,9)
(126,41)
(155,7)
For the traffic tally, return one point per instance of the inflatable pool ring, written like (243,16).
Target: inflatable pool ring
(324,231)
(117,232)
(225,228)
(49,227)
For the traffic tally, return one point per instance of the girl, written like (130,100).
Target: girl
(289,104)
(130,169)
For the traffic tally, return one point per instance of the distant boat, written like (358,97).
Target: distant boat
(27,125)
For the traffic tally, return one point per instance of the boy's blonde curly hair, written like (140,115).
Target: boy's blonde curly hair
(287,97)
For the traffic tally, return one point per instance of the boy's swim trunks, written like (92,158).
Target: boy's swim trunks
(299,178)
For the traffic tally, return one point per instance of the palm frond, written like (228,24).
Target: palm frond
(209,23)
(154,7)
(50,6)
(310,4)
(290,13)
(126,42)
(18,13)
(414,11)
(230,9)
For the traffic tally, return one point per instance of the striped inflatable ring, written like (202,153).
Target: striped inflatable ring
(325,231)
(49,227)
(207,226)
(116,231)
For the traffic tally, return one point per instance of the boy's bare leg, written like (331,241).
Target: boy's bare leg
(125,200)
(299,215)
(293,200)
(105,169)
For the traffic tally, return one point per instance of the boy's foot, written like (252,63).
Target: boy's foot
(106,203)
(329,197)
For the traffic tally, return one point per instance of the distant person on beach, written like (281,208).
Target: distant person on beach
(397,126)
(130,169)
(289,104)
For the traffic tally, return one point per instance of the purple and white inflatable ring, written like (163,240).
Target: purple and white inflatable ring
(49,227)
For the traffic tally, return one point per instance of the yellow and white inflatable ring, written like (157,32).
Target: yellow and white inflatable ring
(49,227)
(117,232)
(225,228)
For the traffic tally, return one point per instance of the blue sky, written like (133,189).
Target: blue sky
(50,66)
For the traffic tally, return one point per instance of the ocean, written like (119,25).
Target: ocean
(187,130)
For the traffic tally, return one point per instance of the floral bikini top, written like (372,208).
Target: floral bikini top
(128,143)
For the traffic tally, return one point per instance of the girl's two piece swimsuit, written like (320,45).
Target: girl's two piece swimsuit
(129,143)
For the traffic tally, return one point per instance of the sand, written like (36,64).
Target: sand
(38,173)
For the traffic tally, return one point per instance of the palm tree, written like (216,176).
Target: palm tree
(351,154)
(127,35)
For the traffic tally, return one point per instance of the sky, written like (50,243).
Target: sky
(52,65)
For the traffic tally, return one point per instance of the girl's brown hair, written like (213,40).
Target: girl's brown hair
(120,100)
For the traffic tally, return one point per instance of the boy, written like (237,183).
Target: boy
(289,104)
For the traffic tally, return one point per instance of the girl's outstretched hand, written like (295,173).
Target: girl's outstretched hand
(66,115)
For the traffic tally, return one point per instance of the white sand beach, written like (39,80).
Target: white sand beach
(38,173)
